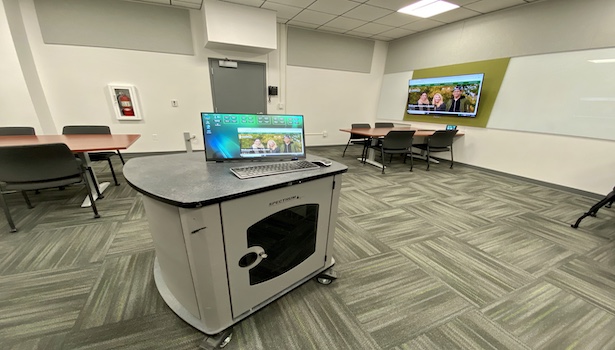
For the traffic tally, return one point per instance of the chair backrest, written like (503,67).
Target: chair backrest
(359,126)
(35,163)
(17,130)
(86,129)
(398,140)
(385,125)
(441,138)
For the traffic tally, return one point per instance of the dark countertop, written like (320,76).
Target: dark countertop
(187,180)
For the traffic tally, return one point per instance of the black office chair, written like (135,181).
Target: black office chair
(95,156)
(35,167)
(358,139)
(396,142)
(16,130)
(439,141)
(384,125)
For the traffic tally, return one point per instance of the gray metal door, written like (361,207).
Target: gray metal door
(238,87)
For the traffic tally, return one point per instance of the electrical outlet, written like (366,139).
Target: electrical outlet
(174,103)
(325,134)
(155,137)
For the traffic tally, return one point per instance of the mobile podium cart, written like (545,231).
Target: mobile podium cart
(226,247)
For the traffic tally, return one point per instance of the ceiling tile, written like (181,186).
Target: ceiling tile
(315,17)
(302,24)
(283,11)
(297,3)
(373,28)
(390,4)
(345,23)
(485,6)
(367,13)
(336,7)
(423,24)
(397,33)
(461,2)
(187,4)
(253,3)
(397,19)
(455,15)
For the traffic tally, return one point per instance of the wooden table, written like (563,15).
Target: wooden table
(80,144)
(375,133)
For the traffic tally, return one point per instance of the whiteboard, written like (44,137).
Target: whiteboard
(562,93)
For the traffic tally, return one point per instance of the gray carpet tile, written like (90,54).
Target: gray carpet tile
(443,259)
(471,330)
(516,247)
(546,317)
(476,275)
(557,232)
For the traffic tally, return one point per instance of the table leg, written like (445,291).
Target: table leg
(101,186)
(371,155)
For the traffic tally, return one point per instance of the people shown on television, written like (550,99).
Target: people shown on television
(272,147)
(289,146)
(257,146)
(438,102)
(423,102)
(458,103)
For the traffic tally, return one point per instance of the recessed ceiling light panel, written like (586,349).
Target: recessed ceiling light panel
(428,8)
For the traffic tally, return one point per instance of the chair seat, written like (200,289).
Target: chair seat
(433,149)
(26,186)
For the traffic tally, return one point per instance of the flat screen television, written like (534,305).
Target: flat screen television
(456,95)
(267,137)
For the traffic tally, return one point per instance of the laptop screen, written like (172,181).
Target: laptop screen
(253,136)
(451,127)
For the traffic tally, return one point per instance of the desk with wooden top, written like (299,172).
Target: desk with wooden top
(79,144)
(375,133)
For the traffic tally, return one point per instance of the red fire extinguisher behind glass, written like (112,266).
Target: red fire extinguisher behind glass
(125,105)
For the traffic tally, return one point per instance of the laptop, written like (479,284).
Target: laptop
(257,138)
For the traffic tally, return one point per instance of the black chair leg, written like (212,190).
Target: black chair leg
(121,158)
(344,153)
(91,172)
(92,201)
(610,198)
(411,160)
(428,158)
(25,196)
(382,156)
(452,158)
(7,213)
(113,172)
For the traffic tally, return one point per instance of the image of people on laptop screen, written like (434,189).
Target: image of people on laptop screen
(278,141)
(231,136)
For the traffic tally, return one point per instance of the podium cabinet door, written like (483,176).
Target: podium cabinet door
(275,239)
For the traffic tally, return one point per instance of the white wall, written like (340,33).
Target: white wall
(549,26)
(16,108)
(331,100)
(75,79)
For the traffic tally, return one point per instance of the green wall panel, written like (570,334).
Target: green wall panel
(494,71)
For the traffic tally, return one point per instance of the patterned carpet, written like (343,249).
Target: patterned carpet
(443,259)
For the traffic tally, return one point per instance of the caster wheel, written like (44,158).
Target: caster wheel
(217,341)
(325,281)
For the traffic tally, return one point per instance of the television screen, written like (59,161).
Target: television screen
(456,95)
(253,136)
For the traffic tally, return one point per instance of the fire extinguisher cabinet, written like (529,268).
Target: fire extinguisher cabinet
(226,247)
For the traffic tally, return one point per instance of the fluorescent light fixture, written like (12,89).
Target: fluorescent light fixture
(606,60)
(428,8)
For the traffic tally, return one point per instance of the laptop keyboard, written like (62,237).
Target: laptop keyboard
(250,171)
